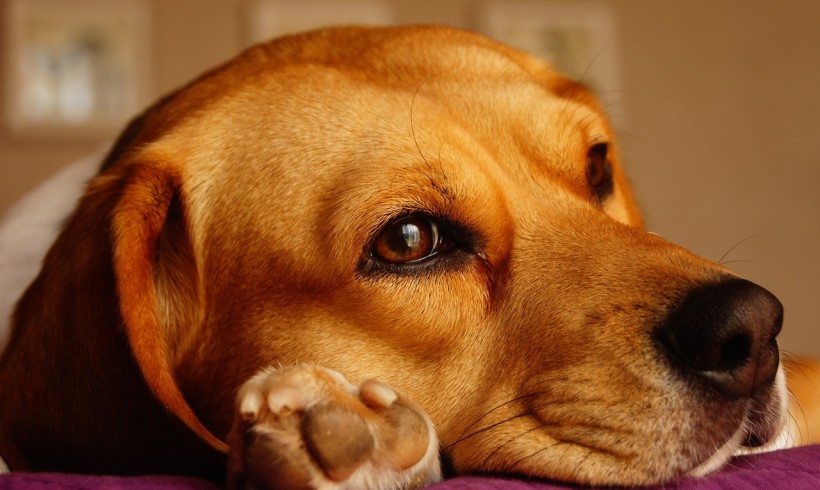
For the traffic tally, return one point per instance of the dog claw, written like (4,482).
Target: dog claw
(250,406)
(284,400)
(307,427)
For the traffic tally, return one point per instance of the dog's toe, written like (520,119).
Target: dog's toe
(307,427)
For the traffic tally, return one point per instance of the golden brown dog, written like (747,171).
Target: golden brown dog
(420,206)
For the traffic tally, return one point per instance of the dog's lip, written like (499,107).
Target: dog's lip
(738,445)
(721,456)
(734,447)
(754,435)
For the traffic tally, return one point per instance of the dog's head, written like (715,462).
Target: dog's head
(431,208)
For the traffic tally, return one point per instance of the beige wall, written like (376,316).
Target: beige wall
(720,115)
(722,134)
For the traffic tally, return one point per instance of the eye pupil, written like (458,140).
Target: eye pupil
(406,240)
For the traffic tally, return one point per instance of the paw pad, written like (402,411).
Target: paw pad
(307,427)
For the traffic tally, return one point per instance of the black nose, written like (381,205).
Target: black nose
(725,333)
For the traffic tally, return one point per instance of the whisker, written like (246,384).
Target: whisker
(501,446)
(538,383)
(582,78)
(535,453)
(463,438)
(577,471)
(720,260)
(486,414)
(737,262)
(798,368)
(799,436)
(412,107)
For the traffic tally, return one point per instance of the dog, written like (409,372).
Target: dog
(348,252)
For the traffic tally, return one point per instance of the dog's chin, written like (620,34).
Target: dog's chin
(773,430)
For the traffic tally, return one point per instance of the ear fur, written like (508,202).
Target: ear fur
(156,279)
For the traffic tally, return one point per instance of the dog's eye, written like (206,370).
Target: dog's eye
(599,171)
(407,240)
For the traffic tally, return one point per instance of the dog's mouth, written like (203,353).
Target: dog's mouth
(656,440)
(764,428)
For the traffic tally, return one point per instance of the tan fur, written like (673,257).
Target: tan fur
(227,232)
(804,409)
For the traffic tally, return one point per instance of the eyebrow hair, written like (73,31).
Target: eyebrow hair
(441,184)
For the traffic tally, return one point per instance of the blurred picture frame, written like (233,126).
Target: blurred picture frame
(267,19)
(576,37)
(75,68)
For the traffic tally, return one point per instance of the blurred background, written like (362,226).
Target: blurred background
(717,104)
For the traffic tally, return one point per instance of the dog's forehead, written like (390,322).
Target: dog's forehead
(376,96)
(334,85)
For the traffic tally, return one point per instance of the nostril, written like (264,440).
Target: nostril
(725,334)
(735,353)
(712,349)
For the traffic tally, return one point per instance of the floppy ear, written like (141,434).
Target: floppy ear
(157,279)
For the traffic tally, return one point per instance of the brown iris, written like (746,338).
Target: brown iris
(406,240)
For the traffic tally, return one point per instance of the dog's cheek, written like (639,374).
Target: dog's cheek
(436,308)
(418,334)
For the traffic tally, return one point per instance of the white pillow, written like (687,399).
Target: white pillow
(29,227)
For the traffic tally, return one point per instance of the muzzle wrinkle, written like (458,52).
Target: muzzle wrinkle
(537,452)
(487,460)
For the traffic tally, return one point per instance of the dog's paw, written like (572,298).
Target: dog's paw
(307,427)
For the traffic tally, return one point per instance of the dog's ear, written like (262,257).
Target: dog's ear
(156,277)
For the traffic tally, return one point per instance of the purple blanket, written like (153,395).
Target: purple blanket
(793,469)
